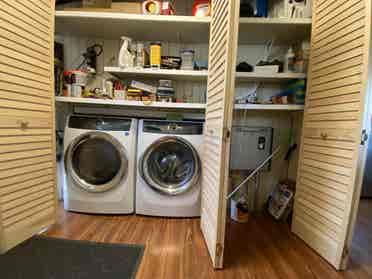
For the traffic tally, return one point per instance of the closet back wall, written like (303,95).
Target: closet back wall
(284,123)
(194,91)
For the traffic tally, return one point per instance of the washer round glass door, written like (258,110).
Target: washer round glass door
(96,161)
(170,165)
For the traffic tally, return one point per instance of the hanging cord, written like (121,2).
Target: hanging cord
(268,50)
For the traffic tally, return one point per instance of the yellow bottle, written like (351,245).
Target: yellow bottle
(155,55)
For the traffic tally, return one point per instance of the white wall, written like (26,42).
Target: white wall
(75,46)
(284,123)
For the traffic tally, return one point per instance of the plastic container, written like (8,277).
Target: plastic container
(201,8)
(66,84)
(120,94)
(187,56)
(167,8)
(140,55)
(261,8)
(79,78)
(289,61)
(151,7)
(165,83)
(239,211)
(155,55)
(126,58)
(302,54)
(76,91)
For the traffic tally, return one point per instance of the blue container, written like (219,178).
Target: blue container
(262,8)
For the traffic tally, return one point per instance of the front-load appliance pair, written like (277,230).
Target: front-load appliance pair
(113,169)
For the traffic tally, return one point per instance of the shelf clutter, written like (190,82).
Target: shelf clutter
(110,25)
(143,62)
(282,30)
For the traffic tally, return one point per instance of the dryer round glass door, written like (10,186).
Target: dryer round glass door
(96,162)
(170,165)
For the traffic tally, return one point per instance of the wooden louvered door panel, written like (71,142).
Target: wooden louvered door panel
(220,95)
(27,137)
(333,121)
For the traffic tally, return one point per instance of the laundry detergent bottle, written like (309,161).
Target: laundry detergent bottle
(126,58)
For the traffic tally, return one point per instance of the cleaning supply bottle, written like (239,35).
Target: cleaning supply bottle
(126,58)
(289,61)
(262,8)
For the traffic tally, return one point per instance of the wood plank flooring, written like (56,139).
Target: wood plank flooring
(261,248)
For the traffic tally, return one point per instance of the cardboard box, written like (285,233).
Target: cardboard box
(127,7)
(96,3)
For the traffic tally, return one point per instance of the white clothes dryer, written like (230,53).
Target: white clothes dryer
(169,168)
(100,164)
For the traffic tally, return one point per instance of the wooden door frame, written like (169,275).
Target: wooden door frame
(53,105)
(228,120)
(356,176)
(223,42)
(36,227)
(363,151)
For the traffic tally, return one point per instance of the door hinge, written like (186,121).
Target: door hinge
(364,137)
(226,134)
(345,252)
(219,250)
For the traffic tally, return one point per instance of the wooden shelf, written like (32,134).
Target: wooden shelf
(171,106)
(282,30)
(198,75)
(157,73)
(276,77)
(268,107)
(125,103)
(109,25)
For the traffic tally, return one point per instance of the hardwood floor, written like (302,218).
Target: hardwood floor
(261,248)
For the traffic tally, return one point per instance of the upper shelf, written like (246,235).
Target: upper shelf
(198,75)
(110,25)
(172,106)
(282,30)
(157,73)
(140,27)
(135,104)
(275,77)
(290,107)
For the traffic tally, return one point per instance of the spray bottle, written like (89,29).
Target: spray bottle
(126,58)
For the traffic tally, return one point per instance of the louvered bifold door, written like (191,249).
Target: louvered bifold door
(220,95)
(333,118)
(27,137)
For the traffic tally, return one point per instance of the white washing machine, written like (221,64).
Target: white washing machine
(100,163)
(168,173)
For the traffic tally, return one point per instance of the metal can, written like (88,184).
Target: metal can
(76,91)
(155,55)
(140,55)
